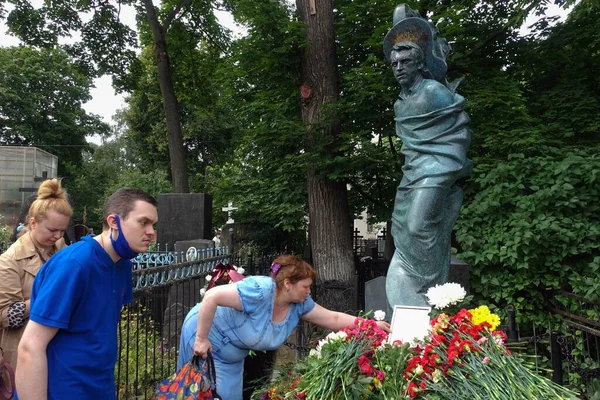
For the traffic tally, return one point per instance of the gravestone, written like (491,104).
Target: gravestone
(459,273)
(185,220)
(375,298)
(228,236)
(183,216)
(185,247)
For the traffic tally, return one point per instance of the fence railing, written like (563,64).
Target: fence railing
(166,286)
(576,345)
(372,248)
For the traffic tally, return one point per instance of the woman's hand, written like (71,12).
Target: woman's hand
(202,347)
(385,326)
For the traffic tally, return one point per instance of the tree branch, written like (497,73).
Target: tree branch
(174,13)
(152,18)
(198,25)
(94,6)
(480,45)
(367,196)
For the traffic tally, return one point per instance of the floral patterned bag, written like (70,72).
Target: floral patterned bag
(194,381)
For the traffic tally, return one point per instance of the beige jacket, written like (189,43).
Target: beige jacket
(18,266)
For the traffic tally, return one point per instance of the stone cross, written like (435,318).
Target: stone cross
(229,210)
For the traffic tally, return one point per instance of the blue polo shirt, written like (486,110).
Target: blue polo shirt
(81,291)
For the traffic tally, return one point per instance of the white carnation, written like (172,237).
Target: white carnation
(314,353)
(240,270)
(333,336)
(448,294)
(379,315)
(202,291)
(208,278)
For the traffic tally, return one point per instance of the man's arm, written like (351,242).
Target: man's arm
(32,371)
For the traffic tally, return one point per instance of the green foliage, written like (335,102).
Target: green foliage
(5,232)
(594,389)
(144,360)
(558,67)
(500,119)
(533,225)
(41,96)
(585,283)
(106,45)
(207,127)
(104,170)
(265,176)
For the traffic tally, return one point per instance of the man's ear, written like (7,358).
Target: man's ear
(111,221)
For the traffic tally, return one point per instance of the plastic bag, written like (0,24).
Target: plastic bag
(195,380)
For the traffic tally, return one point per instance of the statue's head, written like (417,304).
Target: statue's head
(408,62)
(408,26)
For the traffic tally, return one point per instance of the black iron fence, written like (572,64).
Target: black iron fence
(567,347)
(166,286)
(575,345)
(373,248)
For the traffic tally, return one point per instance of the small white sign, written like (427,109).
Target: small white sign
(409,323)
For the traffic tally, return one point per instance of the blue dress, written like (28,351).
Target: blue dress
(234,333)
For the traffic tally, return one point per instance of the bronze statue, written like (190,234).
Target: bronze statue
(433,128)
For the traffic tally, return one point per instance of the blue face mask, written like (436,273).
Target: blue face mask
(120,245)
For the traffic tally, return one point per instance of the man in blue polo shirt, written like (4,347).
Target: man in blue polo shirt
(69,347)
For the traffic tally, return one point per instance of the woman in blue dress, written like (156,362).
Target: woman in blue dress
(257,313)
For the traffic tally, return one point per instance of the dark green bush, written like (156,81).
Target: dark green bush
(532,225)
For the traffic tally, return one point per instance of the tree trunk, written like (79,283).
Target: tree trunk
(177,153)
(329,217)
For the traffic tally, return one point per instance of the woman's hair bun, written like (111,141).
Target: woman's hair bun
(50,189)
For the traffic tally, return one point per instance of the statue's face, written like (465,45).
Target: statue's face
(406,66)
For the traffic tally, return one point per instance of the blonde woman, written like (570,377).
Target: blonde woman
(47,221)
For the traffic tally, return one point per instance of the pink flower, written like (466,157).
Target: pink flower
(365,365)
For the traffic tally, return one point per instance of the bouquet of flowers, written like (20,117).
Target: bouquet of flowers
(464,357)
(353,363)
